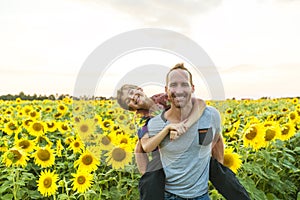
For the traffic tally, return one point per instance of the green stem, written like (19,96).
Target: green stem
(15,183)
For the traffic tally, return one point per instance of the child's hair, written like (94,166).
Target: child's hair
(120,94)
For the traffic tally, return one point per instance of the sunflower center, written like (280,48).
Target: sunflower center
(64,127)
(293,116)
(105,140)
(87,159)
(76,144)
(270,134)
(84,128)
(12,126)
(24,144)
(131,127)
(121,117)
(47,182)
(285,131)
(43,154)
(124,141)
(27,122)
(50,125)
(81,180)
(118,154)
(77,119)
(57,115)
(37,127)
(61,107)
(252,134)
(33,114)
(106,124)
(228,160)
(15,155)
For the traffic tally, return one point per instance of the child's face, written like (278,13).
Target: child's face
(134,98)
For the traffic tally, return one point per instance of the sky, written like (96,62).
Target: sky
(254,45)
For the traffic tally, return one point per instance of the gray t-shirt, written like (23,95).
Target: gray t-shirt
(186,160)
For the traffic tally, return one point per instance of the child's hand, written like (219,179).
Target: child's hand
(176,130)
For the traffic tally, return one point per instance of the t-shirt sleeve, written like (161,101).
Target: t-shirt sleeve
(155,125)
(217,121)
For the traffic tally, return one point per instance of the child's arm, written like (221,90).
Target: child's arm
(150,143)
(198,108)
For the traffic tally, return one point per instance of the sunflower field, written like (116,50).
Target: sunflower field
(84,149)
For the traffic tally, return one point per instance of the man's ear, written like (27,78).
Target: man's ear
(193,88)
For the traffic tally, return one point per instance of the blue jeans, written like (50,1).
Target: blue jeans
(170,196)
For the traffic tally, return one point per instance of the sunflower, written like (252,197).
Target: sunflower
(48,109)
(20,114)
(82,181)
(106,125)
(87,162)
(18,100)
(295,100)
(15,157)
(229,111)
(50,126)
(123,139)
(26,123)
(85,127)
(68,100)
(44,157)
(119,156)
(3,144)
(35,115)
(233,129)
(287,131)
(232,160)
(47,183)
(25,144)
(42,141)
(61,108)
(77,109)
(130,128)
(271,130)
(77,145)
(105,142)
(12,127)
(63,127)
(293,116)
(254,136)
(69,139)
(121,118)
(37,128)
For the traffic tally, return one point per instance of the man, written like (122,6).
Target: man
(131,97)
(185,159)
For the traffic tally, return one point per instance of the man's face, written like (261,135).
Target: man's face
(179,88)
(134,98)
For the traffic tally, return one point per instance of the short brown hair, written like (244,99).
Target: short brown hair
(120,94)
(182,67)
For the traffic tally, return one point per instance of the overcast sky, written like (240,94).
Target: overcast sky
(255,45)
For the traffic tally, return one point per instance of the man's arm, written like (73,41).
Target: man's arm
(218,148)
(141,158)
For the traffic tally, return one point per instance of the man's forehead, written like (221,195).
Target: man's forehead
(178,73)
